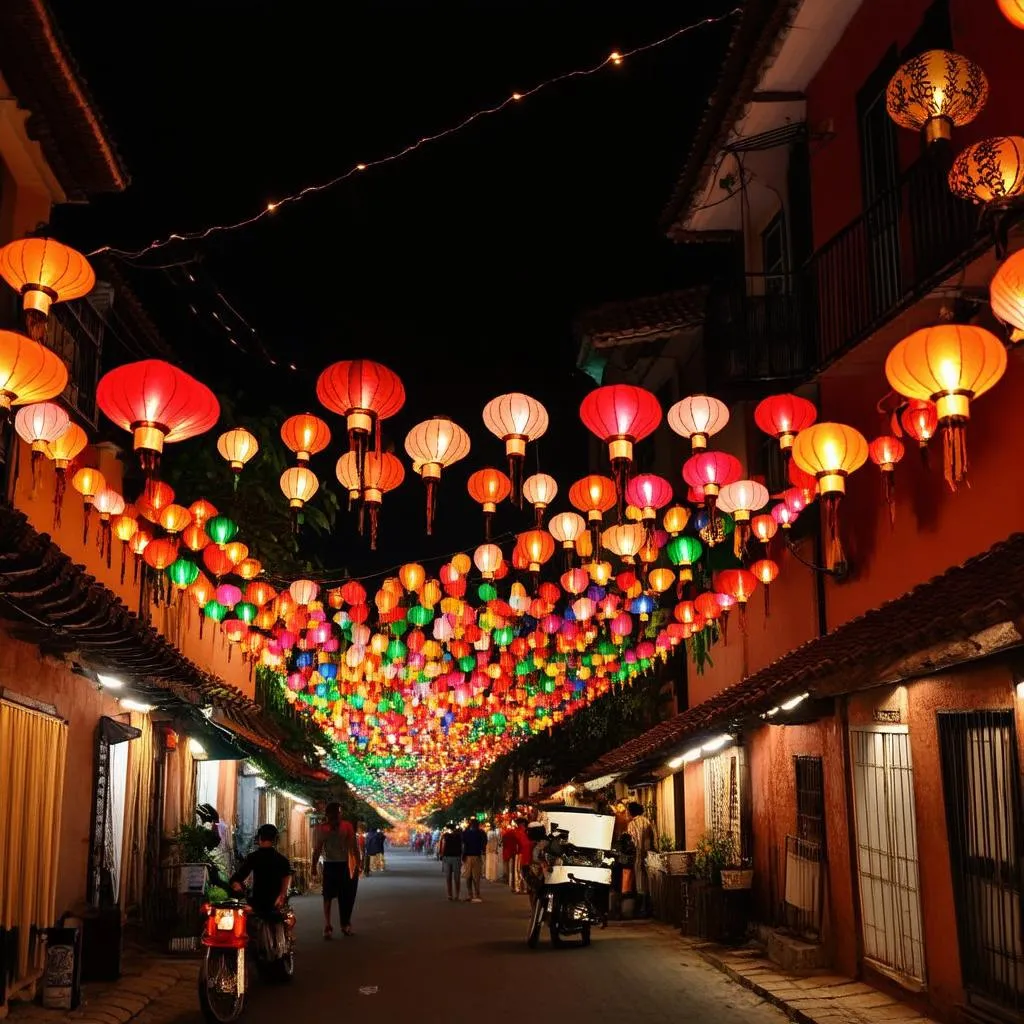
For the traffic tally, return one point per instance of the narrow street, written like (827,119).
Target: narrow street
(434,961)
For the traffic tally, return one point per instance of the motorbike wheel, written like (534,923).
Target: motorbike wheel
(585,935)
(222,985)
(286,965)
(536,920)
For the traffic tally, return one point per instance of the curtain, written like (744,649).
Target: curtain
(138,802)
(33,751)
(117,784)
(207,783)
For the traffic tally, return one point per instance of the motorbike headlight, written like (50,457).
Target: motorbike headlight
(225,920)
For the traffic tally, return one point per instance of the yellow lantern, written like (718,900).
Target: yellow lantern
(461,563)
(29,372)
(236,447)
(567,528)
(412,576)
(1006,294)
(950,365)
(624,540)
(299,484)
(830,452)
(44,271)
(432,445)
(935,91)
(991,171)
(661,579)
(675,519)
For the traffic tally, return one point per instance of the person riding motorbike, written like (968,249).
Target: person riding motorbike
(536,871)
(271,874)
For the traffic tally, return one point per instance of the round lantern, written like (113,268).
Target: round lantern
(432,445)
(298,485)
(202,511)
(920,421)
(382,472)
(304,591)
(44,271)
(766,572)
(783,417)
(990,171)
(648,492)
(38,425)
(222,530)
(683,552)
(174,518)
(950,365)
(516,419)
(1006,293)
(29,372)
(711,471)
(620,415)
(741,499)
(593,495)
(675,519)
(830,452)
(540,490)
(488,487)
(935,91)
(88,482)
(566,528)
(1013,11)
(764,528)
(537,546)
(305,435)
(236,447)
(738,584)
(158,404)
(488,559)
(365,393)
(624,540)
(347,471)
(885,452)
(697,418)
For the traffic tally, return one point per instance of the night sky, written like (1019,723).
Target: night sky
(461,266)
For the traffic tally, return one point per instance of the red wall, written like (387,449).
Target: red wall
(979,32)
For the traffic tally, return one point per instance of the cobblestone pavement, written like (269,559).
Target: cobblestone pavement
(417,954)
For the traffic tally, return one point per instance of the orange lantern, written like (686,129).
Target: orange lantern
(516,419)
(538,547)
(593,495)
(306,435)
(62,451)
(885,452)
(160,553)
(675,519)
(920,421)
(766,572)
(247,568)
(764,528)
(661,579)
(107,503)
(29,372)
(697,418)
(433,445)
(1006,294)
(411,576)
(174,518)
(156,496)
(88,482)
(43,271)
(124,527)
(488,487)
(950,365)
(202,510)
(990,171)
(236,447)
(237,552)
(195,537)
(830,452)
(382,472)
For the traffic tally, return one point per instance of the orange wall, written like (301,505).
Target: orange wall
(80,703)
(979,32)
(693,798)
(211,652)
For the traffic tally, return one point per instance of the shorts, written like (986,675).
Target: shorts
(452,867)
(473,869)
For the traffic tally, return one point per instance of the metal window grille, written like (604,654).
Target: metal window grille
(810,799)
(982,789)
(887,861)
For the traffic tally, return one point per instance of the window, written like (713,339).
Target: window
(207,780)
(775,255)
(810,799)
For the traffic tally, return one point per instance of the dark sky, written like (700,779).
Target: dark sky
(461,266)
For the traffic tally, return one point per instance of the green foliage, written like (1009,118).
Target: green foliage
(714,851)
(257,505)
(666,844)
(215,894)
(193,844)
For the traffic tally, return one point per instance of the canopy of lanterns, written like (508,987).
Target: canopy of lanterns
(425,678)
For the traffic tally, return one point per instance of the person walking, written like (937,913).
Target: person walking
(641,831)
(336,843)
(509,849)
(449,853)
(375,849)
(474,845)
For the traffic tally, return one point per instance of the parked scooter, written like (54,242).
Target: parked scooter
(229,942)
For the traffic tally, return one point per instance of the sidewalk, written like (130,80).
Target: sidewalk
(151,990)
(820,998)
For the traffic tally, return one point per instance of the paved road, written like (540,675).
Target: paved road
(433,961)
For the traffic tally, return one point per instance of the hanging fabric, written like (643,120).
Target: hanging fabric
(138,802)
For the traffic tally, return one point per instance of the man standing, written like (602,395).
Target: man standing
(641,831)
(474,844)
(449,853)
(509,849)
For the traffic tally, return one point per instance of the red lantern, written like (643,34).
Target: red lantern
(885,452)
(711,471)
(783,417)
(364,392)
(648,492)
(920,419)
(621,415)
(158,404)
(382,472)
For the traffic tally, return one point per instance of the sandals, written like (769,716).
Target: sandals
(328,932)
(347,930)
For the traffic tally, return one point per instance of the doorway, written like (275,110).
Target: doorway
(981,783)
(887,861)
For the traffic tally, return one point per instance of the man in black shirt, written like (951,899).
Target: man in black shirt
(270,870)
(450,854)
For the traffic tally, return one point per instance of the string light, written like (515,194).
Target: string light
(615,58)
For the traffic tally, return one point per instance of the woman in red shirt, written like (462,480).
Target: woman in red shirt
(336,843)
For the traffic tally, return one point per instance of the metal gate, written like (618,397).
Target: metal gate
(981,781)
(887,864)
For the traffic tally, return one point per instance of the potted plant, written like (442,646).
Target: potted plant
(714,852)
(192,857)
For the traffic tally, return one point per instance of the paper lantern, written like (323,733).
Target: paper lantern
(661,579)
(182,573)
(304,592)
(236,552)
(538,547)
(174,518)
(741,499)
(488,559)
(711,471)
(158,404)
(620,415)
(202,511)
(1006,294)
(88,482)
(382,472)
(766,572)
(697,418)
(222,530)
(160,553)
(488,487)
(433,445)
(516,419)
(248,568)
(43,271)
(783,417)
(990,171)
(236,447)
(195,537)
(920,420)
(683,552)
(624,540)
(763,527)
(38,425)
(648,492)
(950,365)
(675,519)
(305,435)
(365,393)
(347,472)
(739,584)
(298,485)
(540,490)
(935,91)
(830,452)
(593,495)
(566,527)
(1013,11)
(885,452)
(29,372)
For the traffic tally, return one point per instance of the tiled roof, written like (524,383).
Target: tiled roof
(637,320)
(752,44)
(56,604)
(983,592)
(41,73)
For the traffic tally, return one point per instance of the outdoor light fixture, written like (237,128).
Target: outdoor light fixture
(196,748)
(134,705)
(295,799)
(110,682)
(717,743)
(790,704)
(676,762)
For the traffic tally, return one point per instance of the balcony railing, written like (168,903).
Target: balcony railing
(764,328)
(899,248)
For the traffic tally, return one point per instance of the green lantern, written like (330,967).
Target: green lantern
(246,611)
(215,610)
(182,573)
(487,592)
(221,529)
(684,551)
(419,616)
(467,663)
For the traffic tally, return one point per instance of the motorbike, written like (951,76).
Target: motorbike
(567,899)
(229,944)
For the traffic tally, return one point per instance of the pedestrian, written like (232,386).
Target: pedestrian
(474,845)
(364,855)
(641,831)
(375,849)
(524,848)
(336,842)
(449,853)
(509,849)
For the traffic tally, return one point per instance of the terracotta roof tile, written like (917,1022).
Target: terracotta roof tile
(637,320)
